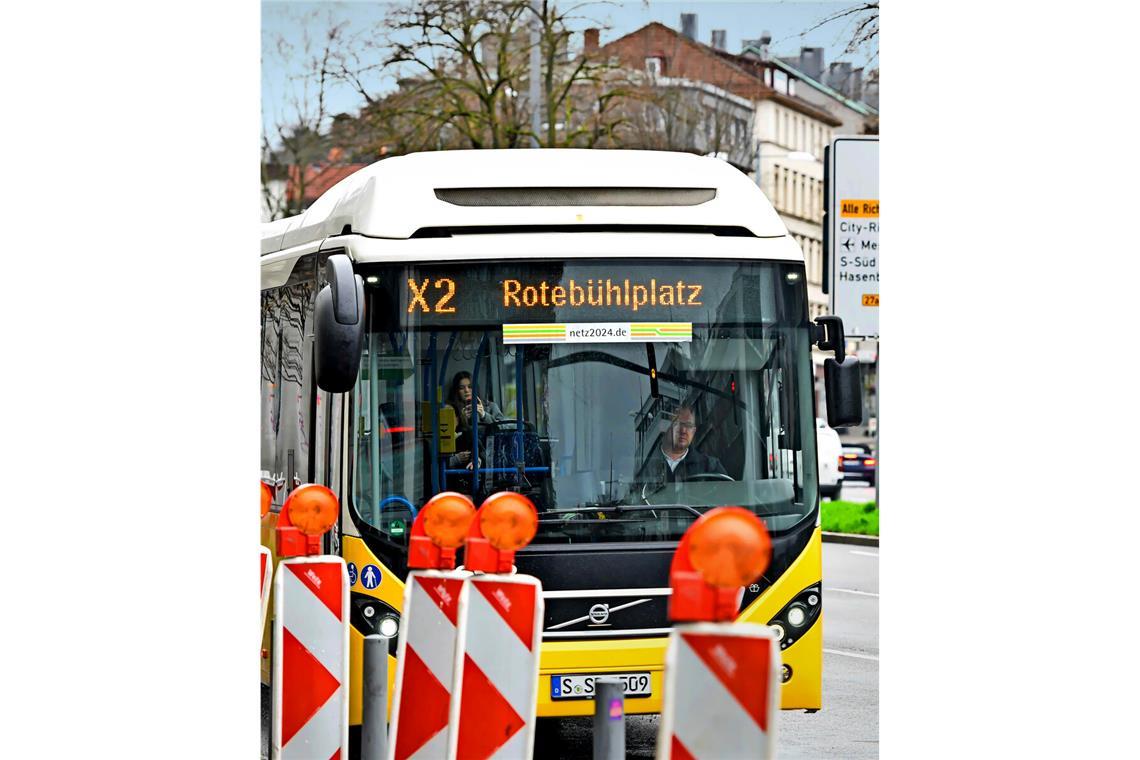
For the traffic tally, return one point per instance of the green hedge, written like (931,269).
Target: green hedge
(850,517)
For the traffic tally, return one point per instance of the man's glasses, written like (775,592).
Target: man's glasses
(686,425)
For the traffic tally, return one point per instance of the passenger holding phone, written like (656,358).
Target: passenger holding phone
(462,398)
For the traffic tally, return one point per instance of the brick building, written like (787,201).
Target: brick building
(785,133)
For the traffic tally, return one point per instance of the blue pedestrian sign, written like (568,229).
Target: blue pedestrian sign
(351,574)
(370,576)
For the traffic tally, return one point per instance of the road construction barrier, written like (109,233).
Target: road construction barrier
(310,659)
(427,651)
(426,665)
(266,577)
(721,692)
(310,633)
(721,678)
(500,634)
(266,556)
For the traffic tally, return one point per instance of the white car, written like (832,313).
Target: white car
(830,450)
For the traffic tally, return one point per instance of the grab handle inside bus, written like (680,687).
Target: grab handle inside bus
(339,326)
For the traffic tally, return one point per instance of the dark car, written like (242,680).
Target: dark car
(858,463)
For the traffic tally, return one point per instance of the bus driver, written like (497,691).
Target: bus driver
(680,460)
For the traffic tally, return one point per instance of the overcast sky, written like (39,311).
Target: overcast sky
(787,22)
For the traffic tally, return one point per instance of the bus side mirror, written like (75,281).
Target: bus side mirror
(843,384)
(339,326)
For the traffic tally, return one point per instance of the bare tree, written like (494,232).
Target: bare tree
(297,137)
(465,73)
(690,116)
(863,19)
(713,116)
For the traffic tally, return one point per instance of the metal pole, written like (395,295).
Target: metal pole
(878,459)
(374,423)
(609,719)
(535,72)
(374,722)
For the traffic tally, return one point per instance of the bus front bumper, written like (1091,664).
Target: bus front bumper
(800,691)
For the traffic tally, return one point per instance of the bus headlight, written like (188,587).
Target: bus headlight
(389,626)
(797,616)
(370,616)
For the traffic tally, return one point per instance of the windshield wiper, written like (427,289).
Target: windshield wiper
(621,509)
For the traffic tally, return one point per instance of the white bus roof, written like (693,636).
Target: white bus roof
(427,193)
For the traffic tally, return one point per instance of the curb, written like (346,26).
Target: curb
(850,538)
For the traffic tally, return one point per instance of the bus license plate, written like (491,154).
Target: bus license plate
(581,686)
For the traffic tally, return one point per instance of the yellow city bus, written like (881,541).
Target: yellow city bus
(632,330)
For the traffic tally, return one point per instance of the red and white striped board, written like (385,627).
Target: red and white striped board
(500,632)
(721,692)
(310,659)
(266,577)
(426,657)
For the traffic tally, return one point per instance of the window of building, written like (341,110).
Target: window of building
(655,66)
(781,82)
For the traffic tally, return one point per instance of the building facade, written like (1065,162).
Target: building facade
(786,131)
(794,116)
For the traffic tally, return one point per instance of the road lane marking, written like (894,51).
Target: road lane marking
(865,554)
(853,654)
(849,591)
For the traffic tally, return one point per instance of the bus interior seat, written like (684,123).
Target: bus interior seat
(504,453)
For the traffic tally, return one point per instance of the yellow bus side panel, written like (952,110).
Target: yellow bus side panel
(390,591)
(805,656)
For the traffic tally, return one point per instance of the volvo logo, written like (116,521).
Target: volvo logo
(598,614)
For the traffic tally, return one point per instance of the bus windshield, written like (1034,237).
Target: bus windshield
(624,398)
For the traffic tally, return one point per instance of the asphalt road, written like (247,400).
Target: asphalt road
(848,724)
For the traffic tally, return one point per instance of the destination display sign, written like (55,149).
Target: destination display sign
(527,294)
(625,296)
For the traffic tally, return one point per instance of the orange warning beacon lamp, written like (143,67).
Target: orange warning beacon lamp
(266,498)
(505,523)
(439,530)
(307,514)
(723,550)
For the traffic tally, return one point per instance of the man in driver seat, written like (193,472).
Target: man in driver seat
(682,461)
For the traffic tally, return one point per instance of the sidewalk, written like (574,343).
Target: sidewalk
(850,538)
